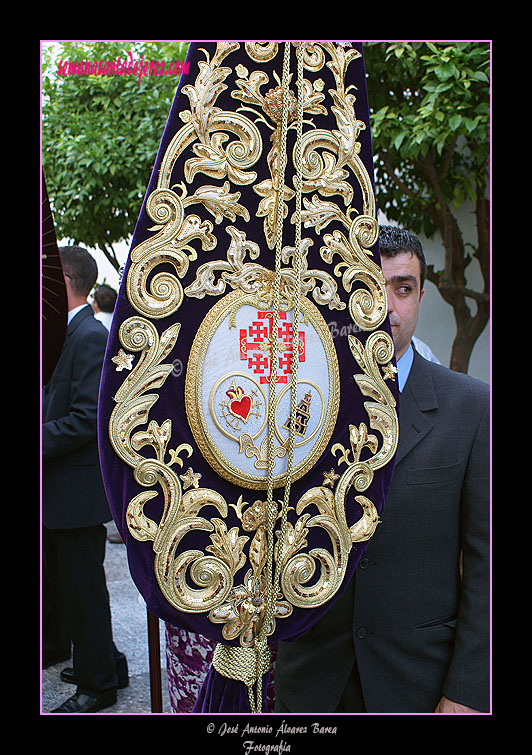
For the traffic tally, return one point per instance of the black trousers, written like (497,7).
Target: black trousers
(76,605)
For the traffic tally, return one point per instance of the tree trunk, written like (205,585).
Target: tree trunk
(467,332)
(468,326)
(451,281)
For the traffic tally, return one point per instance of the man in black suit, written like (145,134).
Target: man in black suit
(74,506)
(410,634)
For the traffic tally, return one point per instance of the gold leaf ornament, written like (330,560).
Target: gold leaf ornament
(251,576)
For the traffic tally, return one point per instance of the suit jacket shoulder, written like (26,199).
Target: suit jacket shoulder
(434,385)
(71,397)
(83,324)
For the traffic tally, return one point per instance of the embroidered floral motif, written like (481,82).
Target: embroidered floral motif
(225,146)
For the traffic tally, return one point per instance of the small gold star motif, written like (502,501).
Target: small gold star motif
(190,479)
(123,361)
(390,371)
(329,478)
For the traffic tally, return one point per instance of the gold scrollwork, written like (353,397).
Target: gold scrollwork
(165,208)
(261,52)
(298,568)
(228,579)
(132,407)
(368,306)
(204,129)
(378,351)
(253,278)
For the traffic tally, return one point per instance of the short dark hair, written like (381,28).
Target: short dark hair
(105,297)
(394,240)
(80,267)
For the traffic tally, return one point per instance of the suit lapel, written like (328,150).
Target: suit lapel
(417,398)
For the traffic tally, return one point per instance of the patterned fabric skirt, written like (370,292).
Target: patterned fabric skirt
(188,659)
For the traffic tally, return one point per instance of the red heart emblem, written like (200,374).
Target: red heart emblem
(241,408)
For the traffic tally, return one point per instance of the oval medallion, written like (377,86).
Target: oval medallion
(227,389)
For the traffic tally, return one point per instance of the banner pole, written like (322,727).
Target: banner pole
(154,651)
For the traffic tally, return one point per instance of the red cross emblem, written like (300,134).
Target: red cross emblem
(256,344)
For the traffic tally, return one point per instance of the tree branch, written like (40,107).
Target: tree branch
(447,158)
(110,255)
(446,224)
(395,178)
(482,253)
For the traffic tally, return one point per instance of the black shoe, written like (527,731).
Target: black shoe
(82,703)
(68,676)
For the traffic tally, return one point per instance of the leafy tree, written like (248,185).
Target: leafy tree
(101,132)
(430,126)
(430,130)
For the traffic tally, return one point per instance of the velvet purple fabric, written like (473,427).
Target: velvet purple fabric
(218,693)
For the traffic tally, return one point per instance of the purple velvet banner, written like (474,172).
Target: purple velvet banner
(217,156)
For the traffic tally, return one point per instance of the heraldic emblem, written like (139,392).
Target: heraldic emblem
(248,418)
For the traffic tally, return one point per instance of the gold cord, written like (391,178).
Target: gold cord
(260,645)
(250,664)
(244,665)
(297,266)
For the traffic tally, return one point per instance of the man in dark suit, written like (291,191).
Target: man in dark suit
(74,506)
(410,634)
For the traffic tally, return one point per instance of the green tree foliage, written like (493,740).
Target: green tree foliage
(101,133)
(430,126)
(430,130)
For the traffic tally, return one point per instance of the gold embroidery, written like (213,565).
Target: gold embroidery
(209,580)
(190,479)
(167,209)
(330,477)
(253,278)
(382,413)
(123,360)
(170,244)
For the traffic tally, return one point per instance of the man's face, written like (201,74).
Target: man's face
(403,287)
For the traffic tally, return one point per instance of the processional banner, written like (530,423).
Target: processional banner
(248,404)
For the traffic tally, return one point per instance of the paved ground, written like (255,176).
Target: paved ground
(131,637)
